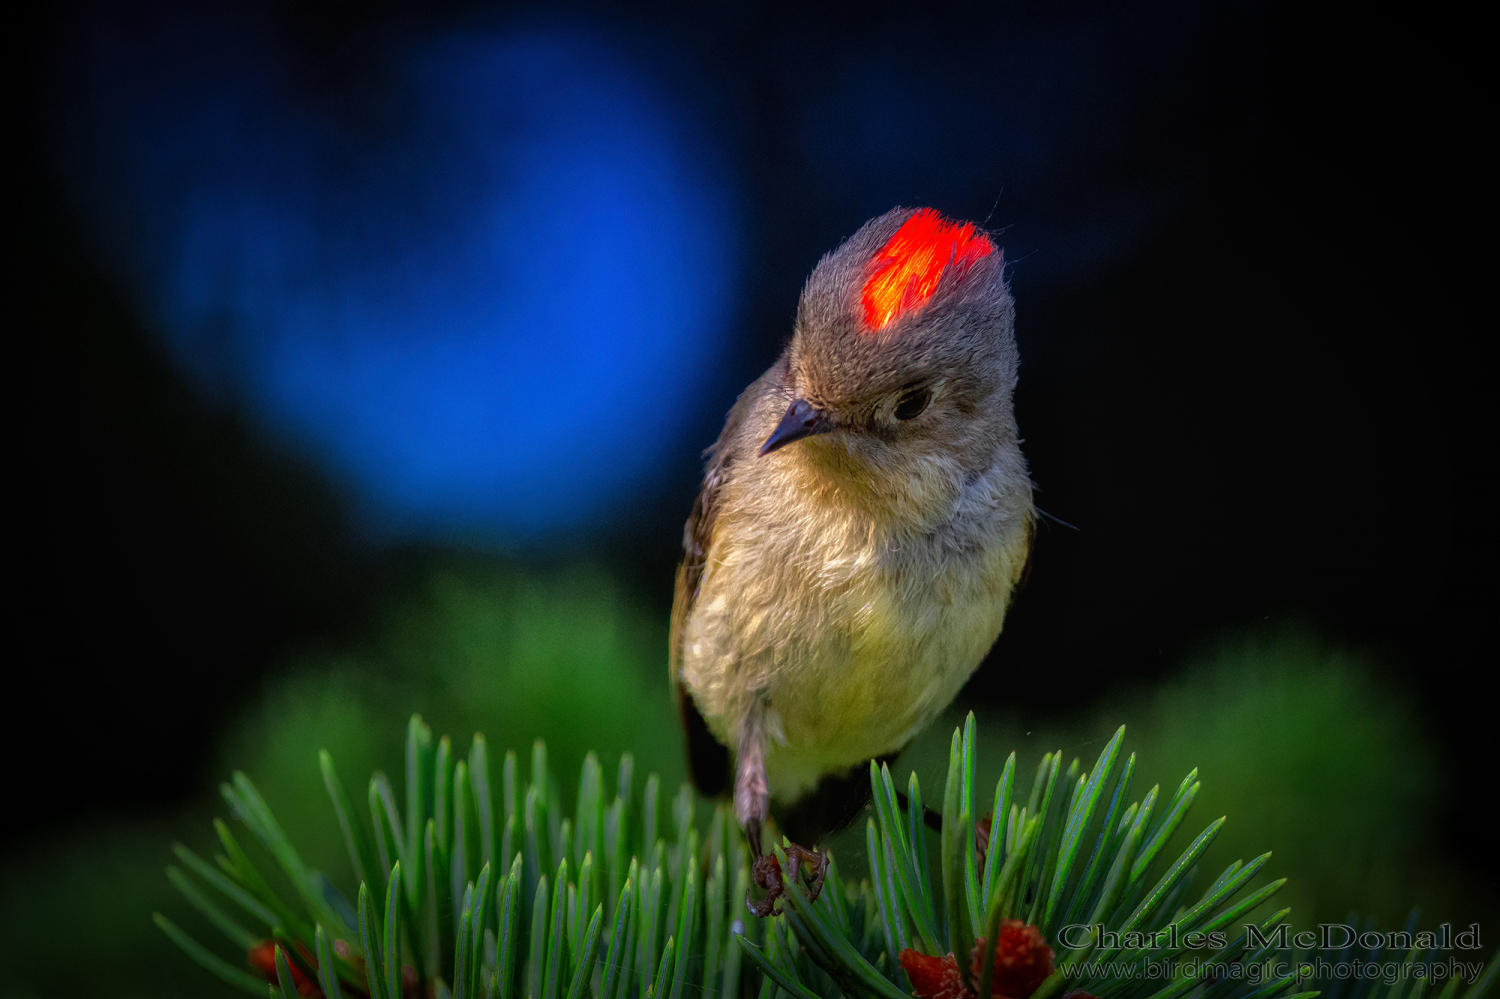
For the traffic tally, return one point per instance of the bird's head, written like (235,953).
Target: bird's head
(903,359)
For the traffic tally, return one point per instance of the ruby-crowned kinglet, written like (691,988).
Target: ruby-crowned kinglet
(864,518)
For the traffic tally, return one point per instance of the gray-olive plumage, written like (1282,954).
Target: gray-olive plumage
(864,518)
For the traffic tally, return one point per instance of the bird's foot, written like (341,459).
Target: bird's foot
(818,861)
(766,872)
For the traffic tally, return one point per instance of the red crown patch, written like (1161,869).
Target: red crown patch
(910,264)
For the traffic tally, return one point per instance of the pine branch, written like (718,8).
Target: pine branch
(506,895)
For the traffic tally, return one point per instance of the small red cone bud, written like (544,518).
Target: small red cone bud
(262,958)
(1022,960)
(934,977)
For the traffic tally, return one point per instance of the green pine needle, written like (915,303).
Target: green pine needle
(497,890)
(209,961)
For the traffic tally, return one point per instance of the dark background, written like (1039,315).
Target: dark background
(1263,398)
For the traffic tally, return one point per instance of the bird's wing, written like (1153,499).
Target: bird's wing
(708,761)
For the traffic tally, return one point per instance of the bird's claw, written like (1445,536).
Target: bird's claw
(767,873)
(797,857)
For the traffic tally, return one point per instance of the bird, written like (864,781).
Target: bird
(864,519)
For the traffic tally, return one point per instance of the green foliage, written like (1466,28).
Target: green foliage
(1035,871)
(1301,742)
(662,903)
(1305,747)
(565,655)
(454,912)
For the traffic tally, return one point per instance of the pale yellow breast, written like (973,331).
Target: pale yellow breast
(854,637)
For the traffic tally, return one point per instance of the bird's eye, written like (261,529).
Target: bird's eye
(914,399)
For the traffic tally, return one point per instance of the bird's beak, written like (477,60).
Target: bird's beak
(801,420)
